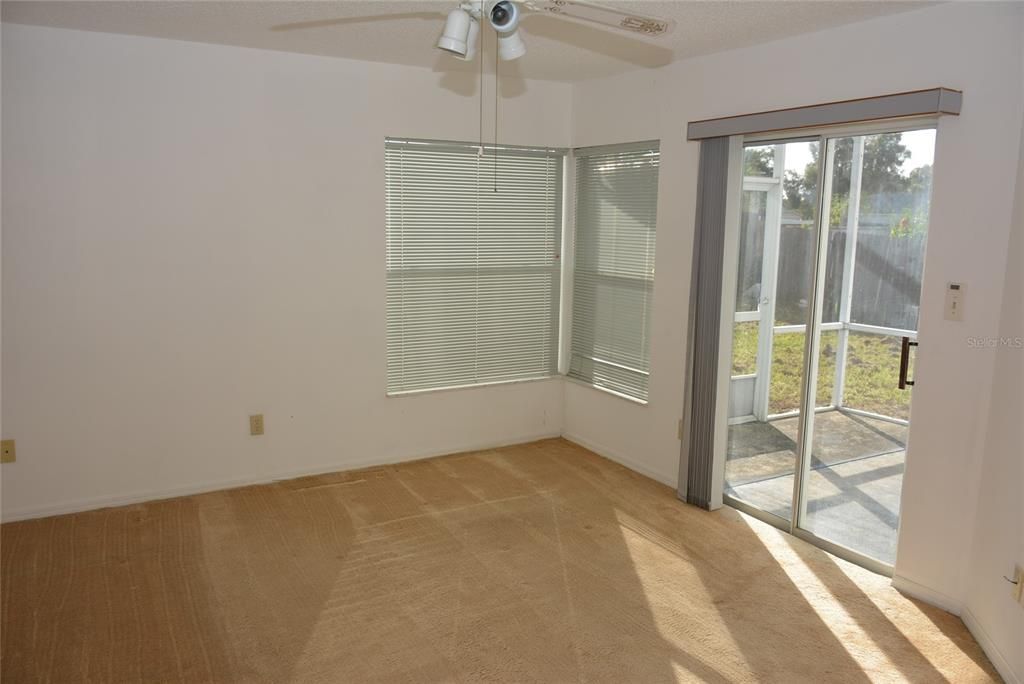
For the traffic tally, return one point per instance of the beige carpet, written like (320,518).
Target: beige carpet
(535,563)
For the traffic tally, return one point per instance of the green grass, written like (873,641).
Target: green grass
(744,348)
(872,367)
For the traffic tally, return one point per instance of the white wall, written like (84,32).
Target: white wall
(640,106)
(969,46)
(193,233)
(185,242)
(999,526)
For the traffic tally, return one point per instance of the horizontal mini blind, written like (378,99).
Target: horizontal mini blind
(613,279)
(473,263)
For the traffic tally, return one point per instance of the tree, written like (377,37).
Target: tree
(913,219)
(799,191)
(882,176)
(758,161)
(920,180)
(884,156)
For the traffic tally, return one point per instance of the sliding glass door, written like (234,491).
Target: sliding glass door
(828,268)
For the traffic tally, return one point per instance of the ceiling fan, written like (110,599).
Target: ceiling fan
(462,27)
(461,33)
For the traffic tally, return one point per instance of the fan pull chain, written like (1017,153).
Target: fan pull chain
(495,118)
(480,150)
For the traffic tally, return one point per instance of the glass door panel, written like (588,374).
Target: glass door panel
(878,189)
(773,280)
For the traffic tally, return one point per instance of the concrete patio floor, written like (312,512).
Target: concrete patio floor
(853,492)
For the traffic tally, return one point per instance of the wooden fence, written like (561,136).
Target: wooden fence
(886,282)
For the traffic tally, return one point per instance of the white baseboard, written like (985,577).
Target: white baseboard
(621,460)
(951,605)
(927,594)
(88,504)
(999,661)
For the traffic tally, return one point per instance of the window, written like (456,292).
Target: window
(472,273)
(613,279)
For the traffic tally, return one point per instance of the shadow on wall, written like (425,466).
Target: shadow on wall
(541,562)
(511,83)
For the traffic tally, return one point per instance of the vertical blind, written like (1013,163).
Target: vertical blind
(697,452)
(613,279)
(472,272)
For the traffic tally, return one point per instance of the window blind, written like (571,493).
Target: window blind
(472,273)
(613,278)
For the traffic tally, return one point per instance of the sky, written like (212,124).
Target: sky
(920,143)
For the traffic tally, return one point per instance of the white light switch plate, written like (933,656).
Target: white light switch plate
(955,293)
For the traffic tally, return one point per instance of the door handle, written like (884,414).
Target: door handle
(905,363)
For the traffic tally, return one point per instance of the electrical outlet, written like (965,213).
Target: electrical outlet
(256,424)
(1018,588)
(7,453)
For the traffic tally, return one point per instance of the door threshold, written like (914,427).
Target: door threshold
(838,550)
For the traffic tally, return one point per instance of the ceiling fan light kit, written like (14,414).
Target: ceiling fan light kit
(510,46)
(462,27)
(504,18)
(471,41)
(458,36)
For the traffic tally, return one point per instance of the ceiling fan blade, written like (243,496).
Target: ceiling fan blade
(626,21)
(358,19)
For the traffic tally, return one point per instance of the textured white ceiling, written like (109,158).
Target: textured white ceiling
(405,32)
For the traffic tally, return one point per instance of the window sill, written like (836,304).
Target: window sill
(558,376)
(456,388)
(620,395)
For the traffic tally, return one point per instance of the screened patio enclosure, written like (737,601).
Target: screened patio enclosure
(870,256)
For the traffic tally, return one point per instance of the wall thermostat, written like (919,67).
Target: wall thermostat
(954,301)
